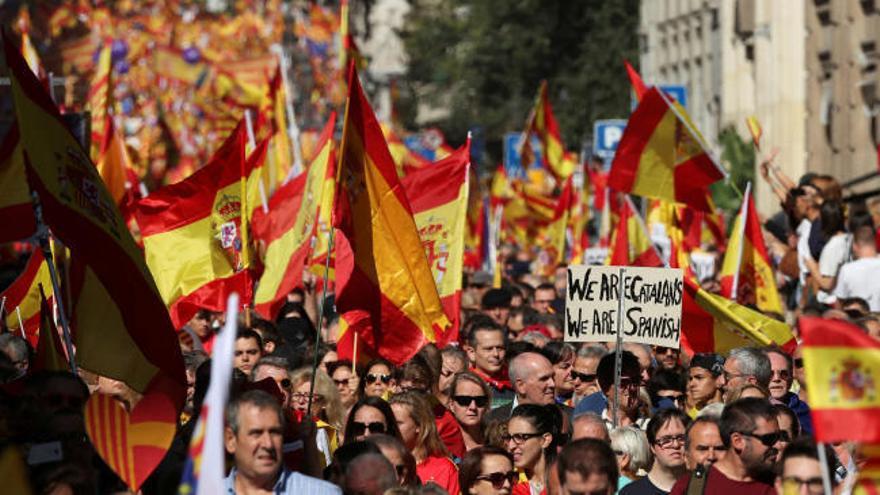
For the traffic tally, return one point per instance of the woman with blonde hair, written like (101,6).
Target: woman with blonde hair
(326,407)
(419,434)
(630,446)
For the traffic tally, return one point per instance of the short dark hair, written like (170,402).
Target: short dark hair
(588,456)
(483,323)
(382,406)
(665,380)
(605,371)
(556,351)
(740,416)
(472,464)
(805,447)
(247,333)
(663,418)
(545,419)
(783,410)
(335,365)
(257,398)
(775,349)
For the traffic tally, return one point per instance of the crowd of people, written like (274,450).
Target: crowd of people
(512,408)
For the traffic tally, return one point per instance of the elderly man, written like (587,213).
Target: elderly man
(531,375)
(782,368)
(751,434)
(744,365)
(584,371)
(253,437)
(703,446)
(589,425)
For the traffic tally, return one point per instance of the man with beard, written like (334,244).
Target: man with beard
(751,434)
(666,436)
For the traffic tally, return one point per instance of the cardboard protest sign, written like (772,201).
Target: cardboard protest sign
(651,312)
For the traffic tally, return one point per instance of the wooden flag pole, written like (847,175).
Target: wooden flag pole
(320,318)
(43,239)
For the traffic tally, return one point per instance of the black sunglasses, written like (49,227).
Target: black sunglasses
(498,479)
(767,439)
(371,378)
(465,400)
(583,376)
(358,428)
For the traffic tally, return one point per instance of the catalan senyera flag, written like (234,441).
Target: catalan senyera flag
(99,102)
(754,130)
(662,155)
(635,81)
(16,208)
(842,365)
(50,353)
(438,196)
(560,163)
(868,482)
(24,294)
(746,274)
(292,230)
(123,329)
(381,267)
(632,245)
(713,323)
(192,234)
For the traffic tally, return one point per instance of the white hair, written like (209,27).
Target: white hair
(632,441)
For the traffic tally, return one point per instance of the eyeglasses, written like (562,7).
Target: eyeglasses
(358,428)
(728,375)
(304,396)
(498,479)
(669,440)
(814,485)
(584,377)
(519,438)
(767,439)
(466,400)
(371,378)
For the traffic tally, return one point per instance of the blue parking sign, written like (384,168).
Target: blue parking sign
(606,137)
(512,160)
(677,91)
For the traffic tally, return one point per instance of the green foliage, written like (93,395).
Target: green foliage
(483,60)
(738,157)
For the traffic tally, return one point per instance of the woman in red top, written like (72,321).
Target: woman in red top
(533,433)
(419,433)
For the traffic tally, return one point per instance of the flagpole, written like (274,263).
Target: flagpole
(618,350)
(743,214)
(43,239)
(823,465)
(20,323)
(693,132)
(2,306)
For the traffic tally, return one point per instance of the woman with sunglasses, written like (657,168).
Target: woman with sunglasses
(326,410)
(377,379)
(341,372)
(419,434)
(370,416)
(533,433)
(469,399)
(485,471)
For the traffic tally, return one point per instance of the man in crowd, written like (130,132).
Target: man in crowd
(532,377)
(253,437)
(630,381)
(587,466)
(486,348)
(248,350)
(800,470)
(745,365)
(781,365)
(589,425)
(861,277)
(16,349)
(703,445)
(584,371)
(274,367)
(667,358)
(666,436)
(496,305)
(704,382)
(543,298)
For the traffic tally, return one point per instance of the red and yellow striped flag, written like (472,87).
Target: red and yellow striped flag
(842,365)
(560,163)
(662,155)
(278,160)
(100,97)
(558,228)
(291,230)
(868,482)
(50,353)
(746,274)
(23,297)
(755,130)
(381,267)
(438,196)
(193,236)
(635,80)
(632,245)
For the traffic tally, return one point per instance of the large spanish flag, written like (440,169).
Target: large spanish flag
(192,234)
(842,365)
(438,196)
(631,245)
(662,155)
(128,336)
(289,238)
(543,123)
(16,209)
(22,297)
(713,323)
(381,267)
(746,274)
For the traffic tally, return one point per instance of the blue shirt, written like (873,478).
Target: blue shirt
(291,483)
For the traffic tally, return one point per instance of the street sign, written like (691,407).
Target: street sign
(677,91)
(606,137)
(512,160)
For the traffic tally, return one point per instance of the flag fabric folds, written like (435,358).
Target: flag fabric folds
(842,366)
(631,245)
(16,209)
(381,267)
(543,123)
(192,234)
(558,228)
(24,294)
(662,155)
(50,353)
(755,131)
(746,273)
(99,98)
(713,323)
(635,81)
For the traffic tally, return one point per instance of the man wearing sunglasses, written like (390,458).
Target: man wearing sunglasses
(782,367)
(751,435)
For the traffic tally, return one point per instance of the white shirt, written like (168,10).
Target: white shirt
(860,278)
(835,253)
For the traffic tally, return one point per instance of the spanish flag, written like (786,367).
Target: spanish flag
(662,155)
(558,228)
(100,97)
(712,323)
(381,267)
(293,229)
(50,353)
(16,208)
(193,235)
(128,336)
(543,123)
(635,81)
(842,365)
(23,297)
(438,196)
(746,274)
(279,159)
(755,130)
(632,245)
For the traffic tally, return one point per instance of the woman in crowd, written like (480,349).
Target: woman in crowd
(377,379)
(345,381)
(533,434)
(836,251)
(702,382)
(370,416)
(630,445)
(326,408)
(487,471)
(469,401)
(749,390)
(402,460)
(419,434)
(561,355)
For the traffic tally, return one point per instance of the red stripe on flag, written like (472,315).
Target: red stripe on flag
(641,126)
